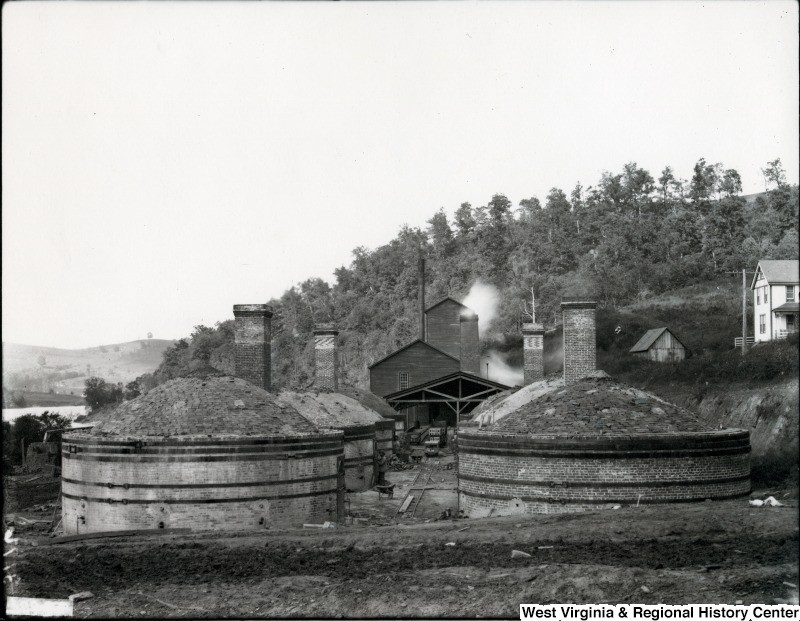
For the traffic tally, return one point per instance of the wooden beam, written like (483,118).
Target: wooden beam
(120,533)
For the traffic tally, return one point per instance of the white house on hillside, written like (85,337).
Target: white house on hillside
(775,291)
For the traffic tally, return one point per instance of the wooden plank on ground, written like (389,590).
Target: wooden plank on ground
(38,607)
(121,533)
(405,504)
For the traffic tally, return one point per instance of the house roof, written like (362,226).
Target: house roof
(778,272)
(472,313)
(411,344)
(788,307)
(650,337)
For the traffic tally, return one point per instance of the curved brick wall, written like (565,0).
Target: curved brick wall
(507,474)
(359,458)
(384,436)
(236,483)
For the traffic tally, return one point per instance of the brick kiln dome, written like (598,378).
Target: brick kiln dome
(597,406)
(218,406)
(330,410)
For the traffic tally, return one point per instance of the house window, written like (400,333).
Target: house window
(758,296)
(766,290)
(402,380)
(790,293)
(762,324)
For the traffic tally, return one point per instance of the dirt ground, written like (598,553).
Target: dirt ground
(389,565)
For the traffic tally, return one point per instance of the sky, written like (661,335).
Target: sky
(164,161)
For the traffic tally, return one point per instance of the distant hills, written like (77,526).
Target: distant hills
(31,368)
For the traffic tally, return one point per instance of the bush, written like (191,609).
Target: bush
(766,362)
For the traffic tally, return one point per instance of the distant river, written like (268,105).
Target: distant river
(70,411)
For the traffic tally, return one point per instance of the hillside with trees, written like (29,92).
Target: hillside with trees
(627,241)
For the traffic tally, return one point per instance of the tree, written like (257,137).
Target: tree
(98,392)
(774,174)
(42,361)
(441,235)
(132,389)
(703,184)
(464,220)
(731,183)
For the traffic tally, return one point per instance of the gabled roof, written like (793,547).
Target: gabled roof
(778,272)
(411,344)
(445,379)
(650,337)
(449,299)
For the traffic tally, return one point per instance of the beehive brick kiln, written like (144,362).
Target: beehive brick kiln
(215,453)
(593,441)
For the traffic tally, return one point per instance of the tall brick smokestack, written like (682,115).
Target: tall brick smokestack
(326,351)
(533,350)
(580,342)
(421,299)
(252,335)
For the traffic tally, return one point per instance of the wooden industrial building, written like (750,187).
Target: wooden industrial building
(659,345)
(436,378)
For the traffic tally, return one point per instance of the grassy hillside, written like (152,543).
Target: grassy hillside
(706,318)
(33,368)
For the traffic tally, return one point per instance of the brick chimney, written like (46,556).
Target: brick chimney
(533,349)
(252,333)
(580,343)
(470,344)
(326,350)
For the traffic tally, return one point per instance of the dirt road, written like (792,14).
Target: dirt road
(708,552)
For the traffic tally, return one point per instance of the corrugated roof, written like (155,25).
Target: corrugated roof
(595,407)
(650,337)
(217,406)
(785,271)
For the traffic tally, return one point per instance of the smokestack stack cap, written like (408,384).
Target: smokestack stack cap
(325,328)
(577,303)
(532,328)
(252,310)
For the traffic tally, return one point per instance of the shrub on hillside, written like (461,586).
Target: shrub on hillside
(765,362)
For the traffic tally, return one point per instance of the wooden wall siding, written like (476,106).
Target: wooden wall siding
(470,348)
(420,362)
(666,349)
(444,327)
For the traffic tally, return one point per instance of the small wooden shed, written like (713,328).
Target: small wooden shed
(660,345)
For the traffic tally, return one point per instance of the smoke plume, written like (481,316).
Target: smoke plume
(484,299)
(500,371)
